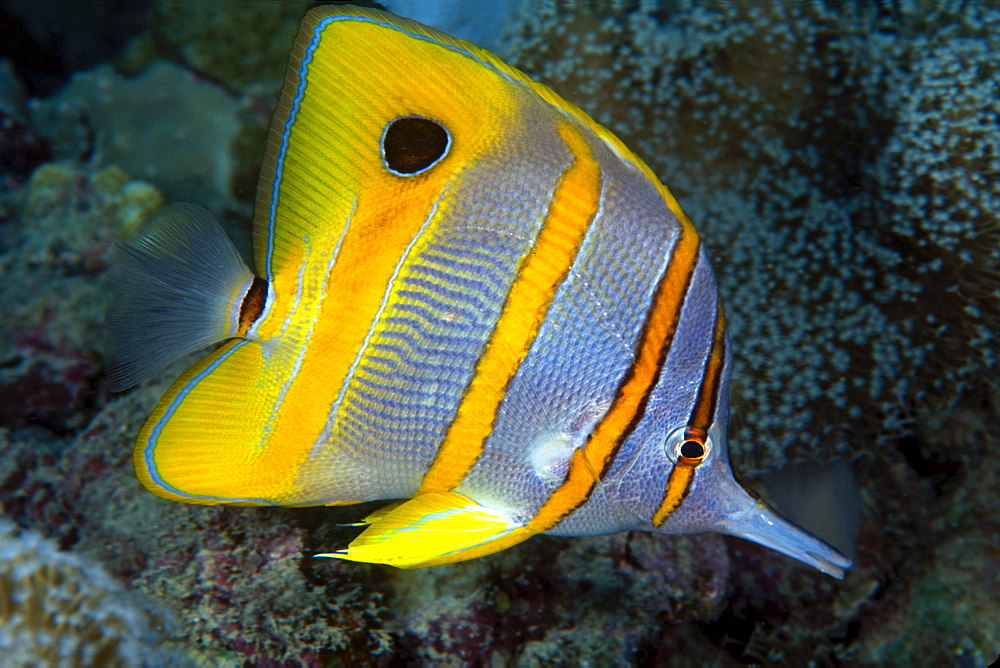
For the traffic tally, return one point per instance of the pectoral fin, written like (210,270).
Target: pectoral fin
(431,529)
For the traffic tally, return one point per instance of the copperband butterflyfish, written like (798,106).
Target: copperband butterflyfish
(467,298)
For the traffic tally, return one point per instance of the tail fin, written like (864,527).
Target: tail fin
(176,287)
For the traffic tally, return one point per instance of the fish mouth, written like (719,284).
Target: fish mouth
(758,522)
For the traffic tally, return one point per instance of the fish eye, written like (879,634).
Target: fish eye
(692,449)
(688,446)
(413,144)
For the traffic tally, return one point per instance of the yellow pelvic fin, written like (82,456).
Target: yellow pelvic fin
(427,530)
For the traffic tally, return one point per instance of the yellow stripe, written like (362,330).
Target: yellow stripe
(679,481)
(333,176)
(587,464)
(543,270)
(356,285)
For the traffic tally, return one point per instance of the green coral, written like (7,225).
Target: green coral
(59,609)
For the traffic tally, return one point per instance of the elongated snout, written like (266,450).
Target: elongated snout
(760,523)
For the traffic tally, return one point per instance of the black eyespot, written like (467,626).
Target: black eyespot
(692,450)
(412,144)
(688,446)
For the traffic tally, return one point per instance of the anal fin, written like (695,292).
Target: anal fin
(432,529)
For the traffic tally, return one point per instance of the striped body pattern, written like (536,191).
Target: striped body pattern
(467,295)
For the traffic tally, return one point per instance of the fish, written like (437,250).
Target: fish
(469,300)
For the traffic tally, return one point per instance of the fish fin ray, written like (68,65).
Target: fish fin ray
(173,288)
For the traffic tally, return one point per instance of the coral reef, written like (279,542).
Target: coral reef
(52,330)
(59,609)
(938,533)
(238,580)
(940,205)
(841,163)
(232,42)
(557,600)
(245,585)
(120,120)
